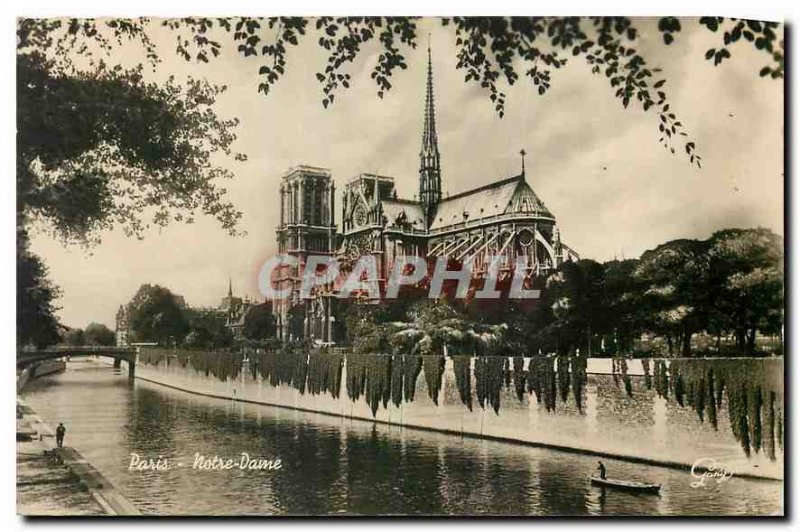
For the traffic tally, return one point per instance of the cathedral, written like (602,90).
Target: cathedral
(504,218)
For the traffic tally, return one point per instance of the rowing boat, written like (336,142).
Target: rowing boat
(628,485)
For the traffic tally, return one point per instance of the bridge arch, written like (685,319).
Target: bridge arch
(128,354)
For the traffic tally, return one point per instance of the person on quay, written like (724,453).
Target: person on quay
(60,431)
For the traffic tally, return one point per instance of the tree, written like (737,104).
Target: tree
(207,330)
(731,283)
(623,303)
(579,303)
(36,322)
(155,316)
(432,327)
(74,337)
(746,269)
(104,147)
(99,334)
(677,276)
(260,323)
(297,321)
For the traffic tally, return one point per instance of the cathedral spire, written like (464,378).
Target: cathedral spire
(430,179)
(230,288)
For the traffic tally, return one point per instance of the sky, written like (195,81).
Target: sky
(614,190)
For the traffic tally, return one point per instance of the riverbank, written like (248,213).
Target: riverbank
(59,482)
(633,459)
(640,425)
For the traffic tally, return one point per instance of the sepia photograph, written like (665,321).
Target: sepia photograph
(376,266)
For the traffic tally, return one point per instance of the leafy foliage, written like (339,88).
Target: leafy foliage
(324,373)
(103,148)
(746,275)
(490,50)
(405,371)
(753,391)
(99,334)
(579,379)
(369,375)
(155,316)
(463,373)
(761,35)
(74,337)
(542,381)
(260,323)
(207,330)
(432,327)
(433,367)
(489,378)
(493,51)
(356,375)
(619,371)
(36,322)
(520,377)
(287,365)
(223,365)
(728,285)
(412,366)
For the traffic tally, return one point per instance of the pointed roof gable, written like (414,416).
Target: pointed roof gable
(512,195)
(404,213)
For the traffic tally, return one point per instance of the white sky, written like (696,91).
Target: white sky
(645,195)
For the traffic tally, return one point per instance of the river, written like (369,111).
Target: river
(333,465)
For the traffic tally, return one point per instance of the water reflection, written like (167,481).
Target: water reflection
(334,465)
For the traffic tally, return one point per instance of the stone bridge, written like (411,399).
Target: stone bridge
(33,357)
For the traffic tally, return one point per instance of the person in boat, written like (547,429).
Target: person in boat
(601,468)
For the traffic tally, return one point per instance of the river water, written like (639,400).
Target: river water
(333,465)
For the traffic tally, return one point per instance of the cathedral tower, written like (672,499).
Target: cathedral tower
(307,227)
(430,174)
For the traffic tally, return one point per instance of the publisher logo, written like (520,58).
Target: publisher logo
(706,471)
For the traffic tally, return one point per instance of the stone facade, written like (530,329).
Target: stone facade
(306,227)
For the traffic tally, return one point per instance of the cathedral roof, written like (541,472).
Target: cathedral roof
(404,213)
(511,195)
